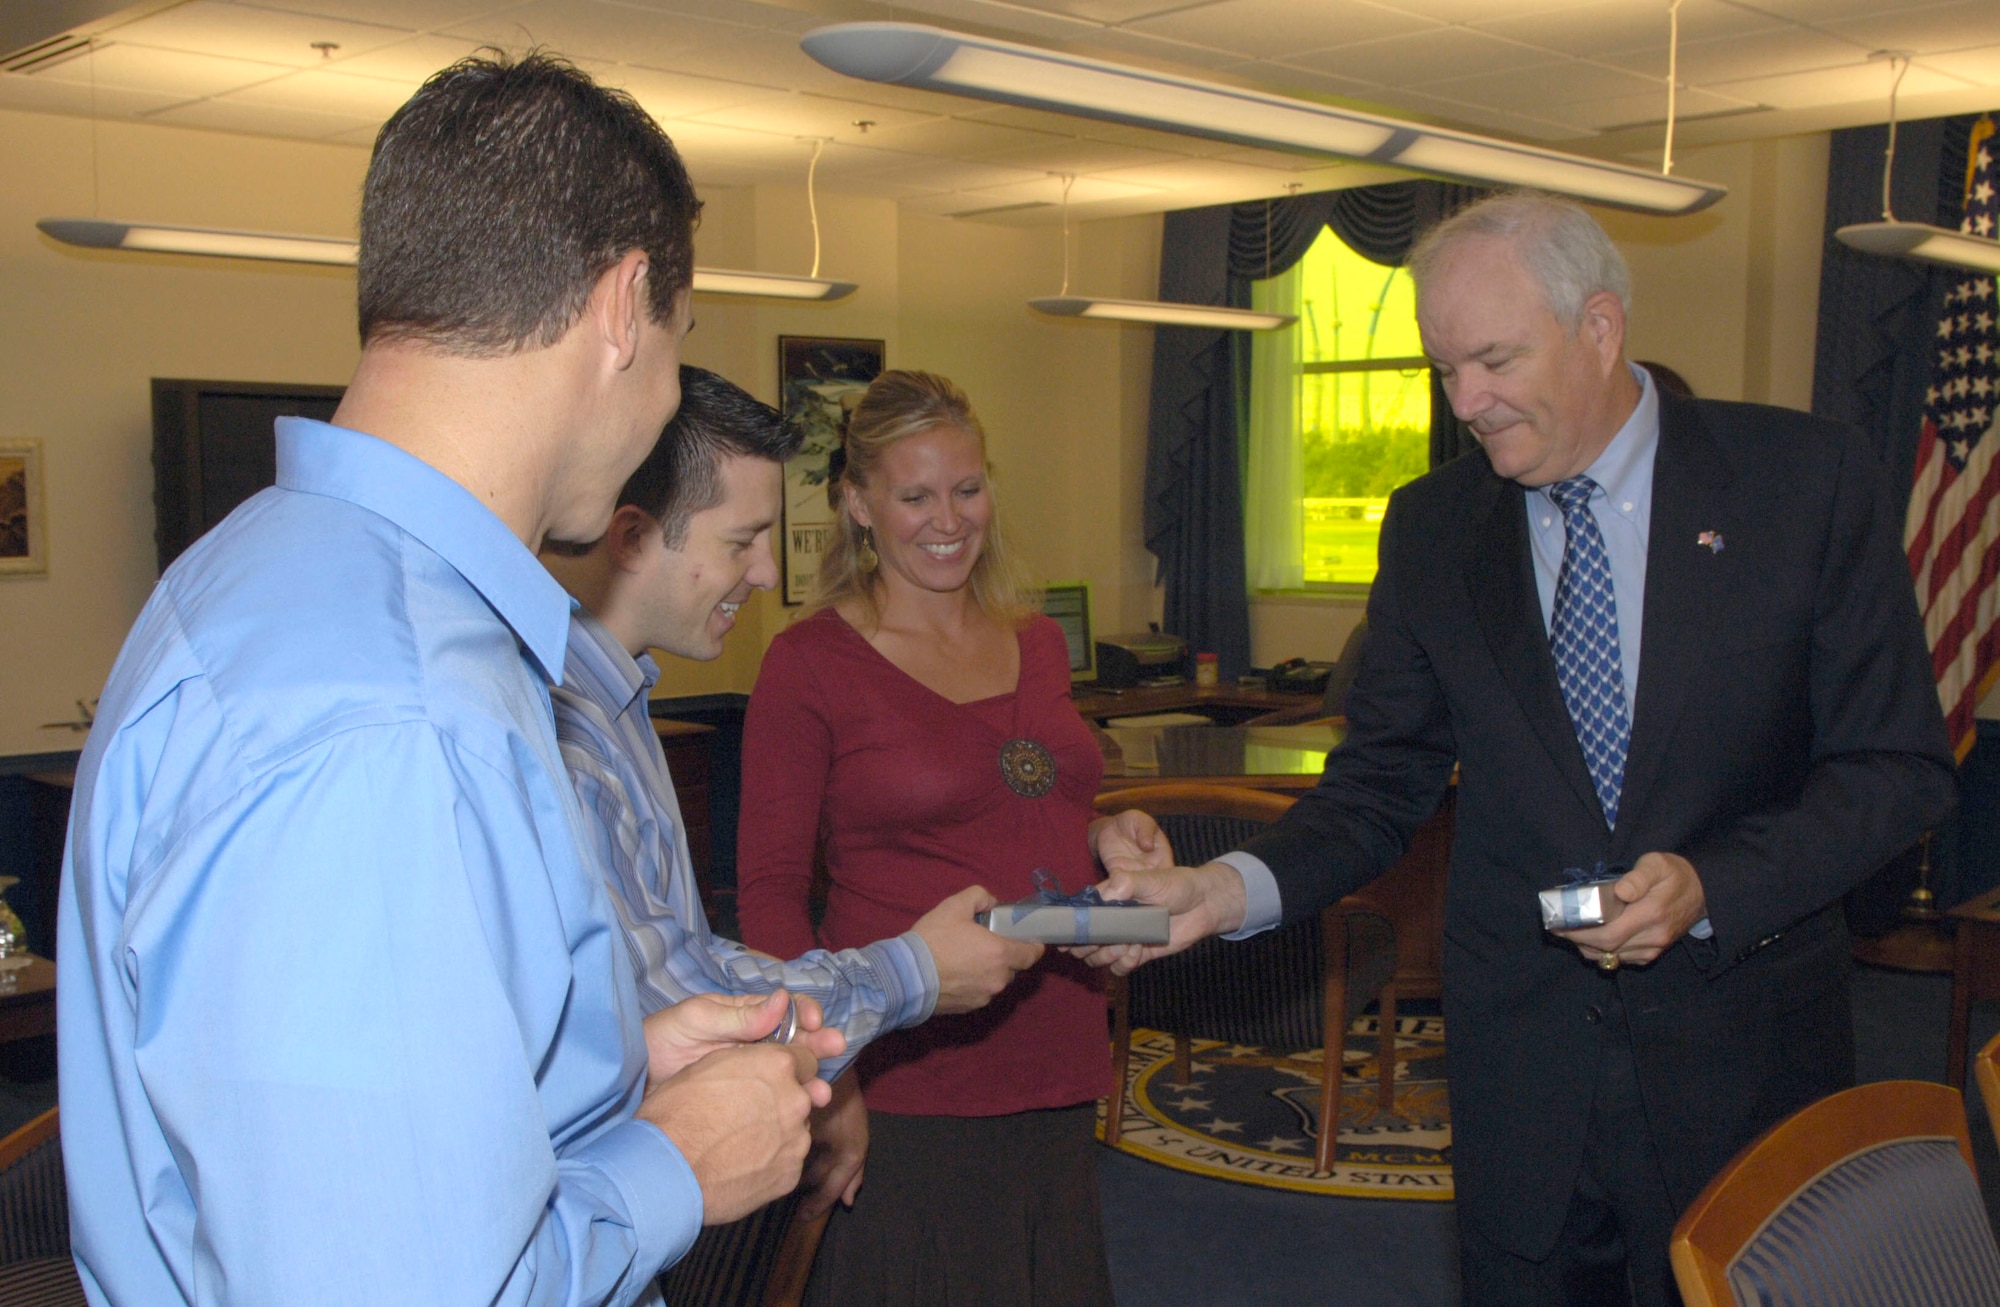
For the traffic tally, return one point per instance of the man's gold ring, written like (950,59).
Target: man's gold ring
(1607,962)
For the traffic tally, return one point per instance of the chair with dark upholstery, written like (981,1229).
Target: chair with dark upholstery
(1295,987)
(35,1265)
(1865,1197)
(1333,704)
(762,1260)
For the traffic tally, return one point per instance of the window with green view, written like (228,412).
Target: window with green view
(1358,408)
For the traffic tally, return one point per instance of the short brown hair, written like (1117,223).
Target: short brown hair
(717,420)
(501,192)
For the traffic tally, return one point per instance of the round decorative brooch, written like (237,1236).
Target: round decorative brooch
(1028,768)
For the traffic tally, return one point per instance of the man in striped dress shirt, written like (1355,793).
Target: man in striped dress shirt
(690,541)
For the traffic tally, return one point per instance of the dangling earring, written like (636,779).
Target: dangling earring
(865,556)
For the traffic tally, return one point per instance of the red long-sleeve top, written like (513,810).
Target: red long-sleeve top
(905,788)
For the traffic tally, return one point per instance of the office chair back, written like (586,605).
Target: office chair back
(35,1265)
(1865,1197)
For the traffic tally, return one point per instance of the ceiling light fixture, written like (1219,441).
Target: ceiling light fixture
(1896,239)
(930,58)
(775,285)
(157,238)
(1160,313)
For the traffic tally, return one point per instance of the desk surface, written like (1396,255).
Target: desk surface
(1265,757)
(1093,702)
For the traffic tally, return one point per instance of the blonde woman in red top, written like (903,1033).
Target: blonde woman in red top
(916,725)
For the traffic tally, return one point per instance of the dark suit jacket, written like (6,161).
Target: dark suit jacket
(1786,740)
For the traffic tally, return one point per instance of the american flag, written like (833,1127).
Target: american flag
(1953,529)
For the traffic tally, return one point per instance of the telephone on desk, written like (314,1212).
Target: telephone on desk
(1298,676)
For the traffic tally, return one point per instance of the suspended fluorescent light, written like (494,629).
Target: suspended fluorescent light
(1918,240)
(912,54)
(1896,239)
(96,234)
(771,285)
(1161,313)
(157,238)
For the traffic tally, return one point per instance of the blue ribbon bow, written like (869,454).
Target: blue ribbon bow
(1049,894)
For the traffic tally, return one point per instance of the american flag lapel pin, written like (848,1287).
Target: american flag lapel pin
(1710,540)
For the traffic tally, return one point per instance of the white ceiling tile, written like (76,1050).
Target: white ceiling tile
(169,72)
(1109,11)
(1825,11)
(1627,111)
(1981,67)
(961,175)
(669,95)
(1309,83)
(1859,83)
(963,138)
(1753,54)
(259,119)
(1018,22)
(597,30)
(1125,45)
(369,98)
(1480,117)
(1548,86)
(1444,52)
(38,95)
(410,15)
(411,60)
(1047,189)
(1266,29)
(1962,25)
(809,115)
(1620,27)
(767,59)
(1473,11)
(1082,157)
(775,17)
(244,32)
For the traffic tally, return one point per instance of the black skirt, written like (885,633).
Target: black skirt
(997,1211)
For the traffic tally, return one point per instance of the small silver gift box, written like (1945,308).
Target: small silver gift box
(1572,907)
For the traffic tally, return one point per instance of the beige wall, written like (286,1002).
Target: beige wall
(1729,298)
(82,333)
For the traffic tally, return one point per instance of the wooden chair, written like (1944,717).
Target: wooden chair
(1867,1196)
(35,1265)
(1986,1070)
(1290,987)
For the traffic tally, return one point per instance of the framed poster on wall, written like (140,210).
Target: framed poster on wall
(23,534)
(819,380)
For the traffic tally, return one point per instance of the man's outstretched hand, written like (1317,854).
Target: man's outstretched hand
(1200,901)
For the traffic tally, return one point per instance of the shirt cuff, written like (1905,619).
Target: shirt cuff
(1702,929)
(1263,908)
(906,962)
(660,1190)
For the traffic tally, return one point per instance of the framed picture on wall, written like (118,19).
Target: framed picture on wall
(23,532)
(819,380)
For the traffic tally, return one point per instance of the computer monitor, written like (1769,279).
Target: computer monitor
(1067,603)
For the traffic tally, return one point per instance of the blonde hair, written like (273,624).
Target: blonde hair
(897,406)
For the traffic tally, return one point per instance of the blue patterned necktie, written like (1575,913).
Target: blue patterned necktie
(1583,636)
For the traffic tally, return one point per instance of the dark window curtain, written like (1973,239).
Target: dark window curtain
(1878,317)
(1872,364)
(1194,470)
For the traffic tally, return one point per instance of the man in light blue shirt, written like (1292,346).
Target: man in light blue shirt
(345,1014)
